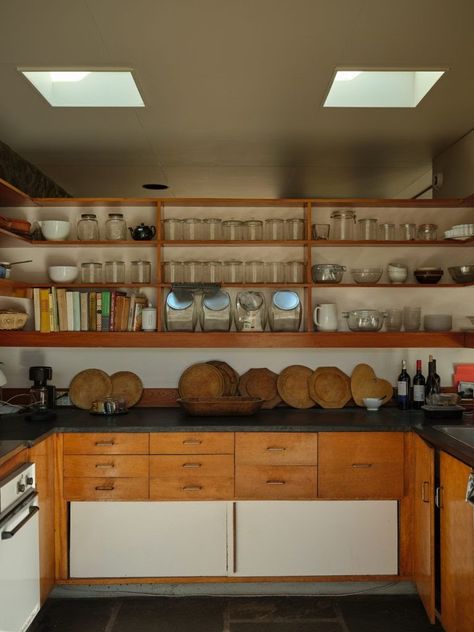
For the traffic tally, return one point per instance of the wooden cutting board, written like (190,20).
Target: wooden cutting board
(261,383)
(292,384)
(231,377)
(330,387)
(89,385)
(201,380)
(364,383)
(128,386)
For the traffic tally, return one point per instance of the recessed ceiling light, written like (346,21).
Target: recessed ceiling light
(85,88)
(154,186)
(380,88)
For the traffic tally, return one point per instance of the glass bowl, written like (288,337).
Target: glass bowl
(366,275)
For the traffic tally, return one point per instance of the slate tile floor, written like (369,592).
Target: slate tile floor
(368,613)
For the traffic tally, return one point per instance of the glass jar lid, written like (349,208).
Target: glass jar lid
(216,302)
(116,215)
(212,220)
(368,220)
(88,216)
(250,301)
(427,227)
(286,300)
(295,220)
(140,262)
(253,222)
(192,220)
(232,222)
(344,213)
(180,301)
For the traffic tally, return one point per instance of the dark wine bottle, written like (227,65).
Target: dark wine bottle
(418,387)
(433,382)
(403,388)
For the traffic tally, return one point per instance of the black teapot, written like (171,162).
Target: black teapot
(142,232)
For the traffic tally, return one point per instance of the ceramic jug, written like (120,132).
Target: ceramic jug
(325,317)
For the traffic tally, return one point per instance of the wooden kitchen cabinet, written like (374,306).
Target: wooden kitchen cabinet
(192,443)
(457,547)
(106,443)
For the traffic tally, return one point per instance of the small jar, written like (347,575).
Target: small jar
(91,272)
(140,272)
(115,227)
(173,229)
(211,228)
(343,221)
(114,272)
(232,229)
(274,229)
(88,227)
(232,271)
(274,272)
(192,228)
(427,232)
(149,318)
(192,271)
(368,229)
(253,272)
(294,272)
(294,228)
(253,230)
(386,232)
(173,272)
(407,232)
(211,271)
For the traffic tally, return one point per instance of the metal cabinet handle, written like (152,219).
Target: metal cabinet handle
(275,482)
(425,487)
(192,465)
(103,444)
(361,465)
(275,449)
(104,465)
(105,488)
(438,497)
(192,442)
(6,535)
(192,488)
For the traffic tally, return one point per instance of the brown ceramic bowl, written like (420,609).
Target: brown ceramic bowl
(428,275)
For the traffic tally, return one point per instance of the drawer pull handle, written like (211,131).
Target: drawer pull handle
(276,482)
(275,449)
(192,465)
(425,486)
(361,465)
(192,442)
(192,488)
(104,465)
(105,488)
(103,444)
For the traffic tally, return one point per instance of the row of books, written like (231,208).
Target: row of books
(58,309)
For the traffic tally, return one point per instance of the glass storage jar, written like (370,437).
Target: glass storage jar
(91,272)
(407,232)
(274,272)
(192,228)
(232,271)
(368,229)
(250,312)
(232,229)
(253,230)
(173,272)
(180,311)
(253,272)
(285,311)
(114,272)
(216,312)
(211,271)
(211,228)
(386,232)
(294,272)
(274,229)
(294,228)
(88,227)
(192,271)
(115,227)
(140,271)
(343,221)
(173,229)
(428,232)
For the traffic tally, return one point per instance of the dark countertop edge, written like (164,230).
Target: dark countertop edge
(9,452)
(447,444)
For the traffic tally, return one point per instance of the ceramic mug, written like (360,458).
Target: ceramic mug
(325,317)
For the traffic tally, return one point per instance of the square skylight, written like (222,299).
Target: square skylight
(380,88)
(86,88)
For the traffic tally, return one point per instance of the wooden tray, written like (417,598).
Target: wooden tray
(231,377)
(201,380)
(293,388)
(364,383)
(330,387)
(261,383)
(127,385)
(89,385)
(217,406)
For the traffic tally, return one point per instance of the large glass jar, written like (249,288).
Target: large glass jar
(88,227)
(294,272)
(192,271)
(274,271)
(211,271)
(343,221)
(368,229)
(211,228)
(253,229)
(274,229)
(232,229)
(173,271)
(173,229)
(253,272)
(115,227)
(250,311)
(91,272)
(216,312)
(294,228)
(140,271)
(114,272)
(192,228)
(180,311)
(285,311)
(232,271)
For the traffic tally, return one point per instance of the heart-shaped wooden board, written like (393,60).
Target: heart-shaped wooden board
(364,383)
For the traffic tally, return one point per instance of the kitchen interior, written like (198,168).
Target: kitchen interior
(235,316)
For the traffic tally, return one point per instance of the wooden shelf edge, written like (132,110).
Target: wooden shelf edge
(237,339)
(11,196)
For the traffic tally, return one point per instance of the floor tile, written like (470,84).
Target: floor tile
(314,626)
(276,608)
(74,615)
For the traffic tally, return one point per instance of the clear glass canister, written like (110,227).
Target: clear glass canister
(211,228)
(115,227)
(140,271)
(216,312)
(253,272)
(294,228)
(253,230)
(274,229)
(91,272)
(250,311)
(294,272)
(173,229)
(386,232)
(173,271)
(192,228)
(427,232)
(232,271)
(274,272)
(114,272)
(285,311)
(368,229)
(232,229)
(180,311)
(88,227)
(192,271)
(407,232)
(343,221)
(211,271)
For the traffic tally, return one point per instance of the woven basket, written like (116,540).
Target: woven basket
(12,320)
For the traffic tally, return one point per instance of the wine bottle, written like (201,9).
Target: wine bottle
(418,387)
(433,382)
(403,388)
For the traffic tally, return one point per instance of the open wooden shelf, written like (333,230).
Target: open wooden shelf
(394,286)
(423,243)
(11,196)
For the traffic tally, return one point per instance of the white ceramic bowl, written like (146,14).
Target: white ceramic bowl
(54,229)
(437,322)
(372,403)
(397,272)
(63,274)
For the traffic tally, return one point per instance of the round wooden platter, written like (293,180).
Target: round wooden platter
(128,386)
(201,380)
(261,383)
(330,387)
(292,386)
(231,377)
(89,385)
(364,383)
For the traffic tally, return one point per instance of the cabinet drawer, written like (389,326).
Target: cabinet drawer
(276,448)
(127,466)
(275,482)
(106,443)
(203,466)
(106,488)
(192,443)
(187,487)
(360,465)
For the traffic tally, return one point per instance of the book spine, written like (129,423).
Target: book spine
(84,300)
(70,310)
(106,310)
(44,310)
(55,325)
(92,310)
(37,308)
(113,307)
(62,308)
(98,311)
(76,310)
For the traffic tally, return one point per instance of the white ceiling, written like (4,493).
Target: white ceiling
(234,91)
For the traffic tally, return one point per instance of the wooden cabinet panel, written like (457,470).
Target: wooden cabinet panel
(189,488)
(275,481)
(360,465)
(128,466)
(276,448)
(192,443)
(106,443)
(457,547)
(106,488)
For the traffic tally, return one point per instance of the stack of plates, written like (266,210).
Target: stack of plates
(460,231)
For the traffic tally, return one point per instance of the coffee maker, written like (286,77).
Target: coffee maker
(43,394)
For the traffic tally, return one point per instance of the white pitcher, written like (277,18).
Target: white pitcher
(325,317)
